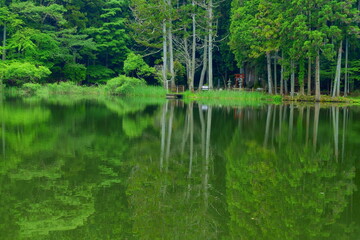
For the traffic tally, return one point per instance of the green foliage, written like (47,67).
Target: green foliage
(31,88)
(135,66)
(75,72)
(123,85)
(21,72)
(99,73)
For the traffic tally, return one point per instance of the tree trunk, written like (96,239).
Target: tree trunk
(275,73)
(203,71)
(317,77)
(346,67)
(210,70)
(268,58)
(309,77)
(292,84)
(171,56)
(192,75)
(336,86)
(4,43)
(282,78)
(165,60)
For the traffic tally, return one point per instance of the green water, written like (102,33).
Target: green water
(114,168)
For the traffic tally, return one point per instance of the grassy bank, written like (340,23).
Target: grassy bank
(233,96)
(323,99)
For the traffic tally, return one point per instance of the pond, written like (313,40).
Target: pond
(114,168)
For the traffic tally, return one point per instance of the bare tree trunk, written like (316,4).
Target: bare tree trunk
(346,67)
(268,58)
(203,71)
(165,60)
(210,70)
(309,77)
(4,43)
(336,86)
(275,73)
(282,77)
(192,75)
(292,83)
(317,77)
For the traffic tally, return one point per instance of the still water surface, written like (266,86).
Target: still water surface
(114,168)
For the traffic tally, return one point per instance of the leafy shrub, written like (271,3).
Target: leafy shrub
(75,72)
(123,85)
(22,72)
(31,88)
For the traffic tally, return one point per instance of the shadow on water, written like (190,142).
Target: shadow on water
(113,168)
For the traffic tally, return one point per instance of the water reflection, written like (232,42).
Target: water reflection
(114,168)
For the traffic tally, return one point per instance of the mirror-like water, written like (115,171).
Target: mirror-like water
(122,169)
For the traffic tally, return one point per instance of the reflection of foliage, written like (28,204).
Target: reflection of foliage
(135,127)
(293,194)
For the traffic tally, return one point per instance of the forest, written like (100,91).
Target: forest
(284,47)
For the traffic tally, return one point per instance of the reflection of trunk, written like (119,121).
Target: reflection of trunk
(291,122)
(307,124)
(335,118)
(317,77)
(280,123)
(267,128)
(316,124)
(191,120)
(273,127)
(207,156)
(186,131)
(202,122)
(344,130)
(268,60)
(169,136)
(203,71)
(163,133)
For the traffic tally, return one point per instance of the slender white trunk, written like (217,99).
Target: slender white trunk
(210,49)
(165,60)
(317,77)
(309,77)
(282,80)
(192,73)
(171,55)
(346,67)
(275,73)
(268,58)
(203,71)
(292,84)
(336,86)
